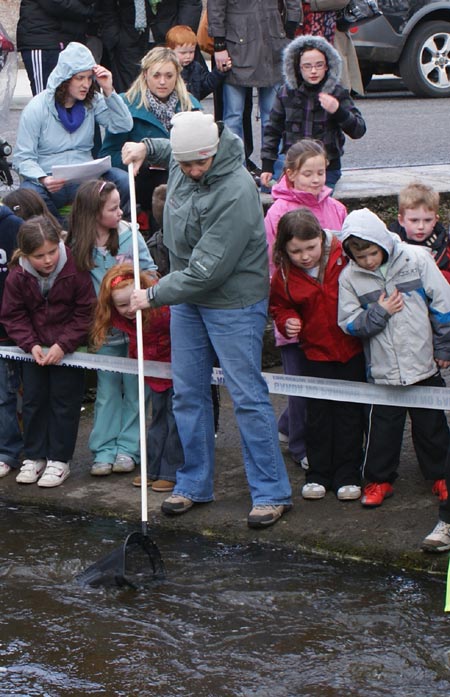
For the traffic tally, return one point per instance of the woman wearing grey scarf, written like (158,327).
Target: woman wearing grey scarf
(154,97)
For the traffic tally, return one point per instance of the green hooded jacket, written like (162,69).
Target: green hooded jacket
(214,230)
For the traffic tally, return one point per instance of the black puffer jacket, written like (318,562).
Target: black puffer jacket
(52,24)
(297,113)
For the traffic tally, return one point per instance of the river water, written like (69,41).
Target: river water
(231,621)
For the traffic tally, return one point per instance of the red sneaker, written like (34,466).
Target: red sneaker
(440,489)
(374,494)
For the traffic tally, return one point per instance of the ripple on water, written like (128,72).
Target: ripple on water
(229,621)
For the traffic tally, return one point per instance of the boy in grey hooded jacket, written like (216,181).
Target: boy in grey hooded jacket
(394,298)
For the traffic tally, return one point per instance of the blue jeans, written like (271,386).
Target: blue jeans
(66,195)
(11,442)
(234,103)
(198,334)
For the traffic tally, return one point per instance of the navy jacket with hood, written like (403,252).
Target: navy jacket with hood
(9,227)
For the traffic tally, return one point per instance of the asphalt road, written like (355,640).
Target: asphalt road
(401,129)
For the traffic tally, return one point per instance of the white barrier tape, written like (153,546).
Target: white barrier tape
(289,385)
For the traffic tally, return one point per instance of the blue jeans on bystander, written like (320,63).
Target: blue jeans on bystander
(198,334)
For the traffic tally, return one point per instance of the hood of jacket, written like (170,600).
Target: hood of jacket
(291,62)
(368,226)
(75,58)
(302,198)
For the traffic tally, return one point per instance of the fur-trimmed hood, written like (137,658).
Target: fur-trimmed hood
(291,61)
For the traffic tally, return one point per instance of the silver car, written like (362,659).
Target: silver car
(412,40)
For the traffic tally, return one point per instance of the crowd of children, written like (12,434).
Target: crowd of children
(350,300)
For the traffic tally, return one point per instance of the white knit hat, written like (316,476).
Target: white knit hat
(193,136)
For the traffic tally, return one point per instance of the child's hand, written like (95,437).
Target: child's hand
(266,178)
(38,354)
(54,355)
(328,102)
(392,304)
(292,327)
(441,363)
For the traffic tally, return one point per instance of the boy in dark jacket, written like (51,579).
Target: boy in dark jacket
(10,435)
(418,223)
(199,80)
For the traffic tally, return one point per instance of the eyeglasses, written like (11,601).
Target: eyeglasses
(309,66)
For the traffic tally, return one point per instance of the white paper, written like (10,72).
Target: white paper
(86,170)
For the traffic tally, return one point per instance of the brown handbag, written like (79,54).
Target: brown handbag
(205,42)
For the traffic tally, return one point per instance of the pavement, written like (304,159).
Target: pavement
(389,535)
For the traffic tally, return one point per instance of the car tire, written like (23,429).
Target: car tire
(425,61)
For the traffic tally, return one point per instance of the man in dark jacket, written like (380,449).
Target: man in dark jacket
(130,28)
(46,27)
(253,36)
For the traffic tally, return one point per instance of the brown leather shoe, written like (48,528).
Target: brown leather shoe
(137,482)
(163,485)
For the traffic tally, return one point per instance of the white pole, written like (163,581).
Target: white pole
(140,353)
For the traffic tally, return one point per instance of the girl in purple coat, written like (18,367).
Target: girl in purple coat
(47,302)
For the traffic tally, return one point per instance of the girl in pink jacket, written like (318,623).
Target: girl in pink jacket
(303,185)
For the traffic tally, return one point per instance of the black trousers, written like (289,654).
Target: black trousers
(430,436)
(334,430)
(444,508)
(52,398)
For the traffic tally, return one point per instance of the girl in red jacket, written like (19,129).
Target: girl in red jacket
(47,302)
(303,184)
(165,454)
(303,303)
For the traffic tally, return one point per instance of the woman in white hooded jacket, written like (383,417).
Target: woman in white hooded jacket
(57,127)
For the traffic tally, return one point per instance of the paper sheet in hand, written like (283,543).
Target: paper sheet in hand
(86,170)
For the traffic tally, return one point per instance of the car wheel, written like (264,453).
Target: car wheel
(425,61)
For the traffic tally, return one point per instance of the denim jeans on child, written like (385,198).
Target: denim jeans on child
(198,334)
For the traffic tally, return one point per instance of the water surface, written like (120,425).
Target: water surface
(229,621)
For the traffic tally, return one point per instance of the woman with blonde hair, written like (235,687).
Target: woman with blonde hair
(154,97)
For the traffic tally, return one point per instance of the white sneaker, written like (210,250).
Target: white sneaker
(439,539)
(55,473)
(349,492)
(30,471)
(123,463)
(313,491)
(100,469)
(4,469)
